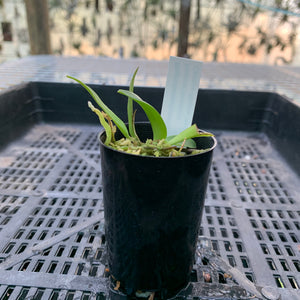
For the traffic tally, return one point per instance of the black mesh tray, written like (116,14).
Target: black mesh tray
(51,216)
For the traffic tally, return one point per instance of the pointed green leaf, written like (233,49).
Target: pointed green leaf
(130,107)
(189,133)
(189,143)
(157,123)
(119,123)
(103,123)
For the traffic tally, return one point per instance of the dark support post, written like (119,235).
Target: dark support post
(38,26)
(184,21)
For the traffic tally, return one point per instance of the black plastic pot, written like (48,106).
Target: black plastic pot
(153,209)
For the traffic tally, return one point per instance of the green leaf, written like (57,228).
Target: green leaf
(157,123)
(106,126)
(188,133)
(189,143)
(130,107)
(119,123)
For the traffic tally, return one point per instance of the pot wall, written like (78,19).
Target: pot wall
(153,208)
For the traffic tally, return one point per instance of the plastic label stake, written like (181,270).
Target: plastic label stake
(180,93)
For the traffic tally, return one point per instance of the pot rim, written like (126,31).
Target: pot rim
(100,134)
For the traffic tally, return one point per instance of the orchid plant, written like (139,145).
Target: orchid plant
(160,146)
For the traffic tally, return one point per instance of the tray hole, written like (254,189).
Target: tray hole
(85,296)
(212,231)
(57,212)
(18,234)
(218,210)
(215,245)
(235,233)
(73,252)
(294,238)
(209,220)
(22,295)
(39,294)
(98,254)
(201,231)
(89,213)
(54,295)
(231,260)
(6,295)
(271,264)
(60,251)
(259,213)
(297,225)
(297,265)
(52,267)
(284,265)
(259,236)
(50,223)
(43,235)
(227,246)
(276,225)
(21,248)
(46,211)
(86,252)
(25,265)
(265,224)
(5,221)
(91,238)
(231,221)
(46,252)
(36,211)
(278,281)
(38,266)
(293,282)
(39,222)
(73,223)
(253,223)
(93,270)
(282,200)
(61,223)
(78,212)
(265,249)
(31,234)
(8,248)
(79,237)
(240,247)
(282,237)
(250,277)
(249,212)
(194,277)
(68,212)
(53,201)
(4,209)
(277,250)
(245,262)
(79,269)
(224,232)
(222,278)
(289,251)
(66,268)
(271,236)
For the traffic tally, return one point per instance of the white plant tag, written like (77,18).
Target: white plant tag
(180,93)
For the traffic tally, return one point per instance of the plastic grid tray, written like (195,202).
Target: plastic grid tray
(51,219)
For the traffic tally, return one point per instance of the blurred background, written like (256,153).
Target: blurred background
(258,31)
